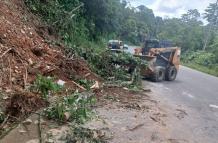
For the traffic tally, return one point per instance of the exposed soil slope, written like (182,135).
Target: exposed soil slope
(26,50)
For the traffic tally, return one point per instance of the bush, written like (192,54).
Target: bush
(200,57)
(75,107)
(44,85)
(202,61)
(61,17)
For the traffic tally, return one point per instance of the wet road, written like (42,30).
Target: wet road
(197,94)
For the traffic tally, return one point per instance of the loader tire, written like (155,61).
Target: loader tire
(171,73)
(159,74)
(131,69)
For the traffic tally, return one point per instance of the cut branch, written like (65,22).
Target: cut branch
(6,52)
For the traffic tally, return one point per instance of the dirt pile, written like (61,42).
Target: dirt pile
(24,104)
(25,51)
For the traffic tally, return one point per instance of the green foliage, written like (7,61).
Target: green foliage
(84,29)
(190,34)
(44,85)
(95,19)
(191,16)
(202,61)
(200,57)
(185,33)
(211,14)
(123,58)
(77,106)
(116,65)
(62,16)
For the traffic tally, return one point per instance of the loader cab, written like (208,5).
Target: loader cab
(155,44)
(148,44)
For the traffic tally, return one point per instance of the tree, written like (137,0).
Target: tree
(211,16)
(191,16)
(102,16)
(146,16)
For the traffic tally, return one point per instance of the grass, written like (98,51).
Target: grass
(211,71)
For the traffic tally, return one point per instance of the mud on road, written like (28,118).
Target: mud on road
(137,117)
(123,116)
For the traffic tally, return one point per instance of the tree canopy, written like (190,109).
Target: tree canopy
(94,20)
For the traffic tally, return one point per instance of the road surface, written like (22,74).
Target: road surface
(197,94)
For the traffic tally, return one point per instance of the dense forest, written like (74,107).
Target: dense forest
(86,25)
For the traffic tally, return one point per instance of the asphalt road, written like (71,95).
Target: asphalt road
(197,94)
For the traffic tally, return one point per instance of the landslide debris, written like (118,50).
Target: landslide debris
(25,52)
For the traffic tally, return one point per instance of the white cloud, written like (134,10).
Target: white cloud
(175,8)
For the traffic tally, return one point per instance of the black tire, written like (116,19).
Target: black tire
(159,74)
(131,69)
(171,73)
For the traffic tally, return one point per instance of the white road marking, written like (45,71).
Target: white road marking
(188,94)
(213,106)
(166,88)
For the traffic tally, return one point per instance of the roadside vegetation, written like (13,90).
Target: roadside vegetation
(202,61)
(85,30)
(85,26)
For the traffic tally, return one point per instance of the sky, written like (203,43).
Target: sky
(173,8)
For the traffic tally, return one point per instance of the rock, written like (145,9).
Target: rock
(58,135)
(27,122)
(67,116)
(54,132)
(125,88)
(61,82)
(22,131)
(13,79)
(33,141)
(5,97)
(49,141)
(42,122)
(95,135)
(8,90)
(146,90)
(48,67)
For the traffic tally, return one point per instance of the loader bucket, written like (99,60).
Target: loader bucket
(148,70)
